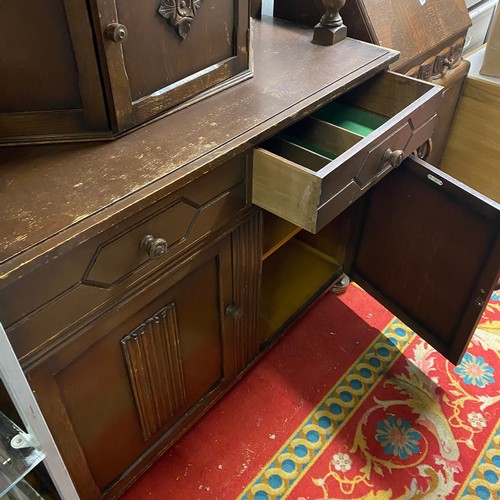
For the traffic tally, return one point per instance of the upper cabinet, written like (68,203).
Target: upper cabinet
(78,71)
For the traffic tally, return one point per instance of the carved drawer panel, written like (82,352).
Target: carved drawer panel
(43,304)
(118,258)
(314,169)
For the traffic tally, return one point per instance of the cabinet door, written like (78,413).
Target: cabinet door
(125,386)
(168,51)
(127,379)
(428,248)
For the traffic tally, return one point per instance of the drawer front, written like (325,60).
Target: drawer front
(85,277)
(313,170)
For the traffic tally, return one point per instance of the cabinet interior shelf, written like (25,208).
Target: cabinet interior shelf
(293,276)
(278,232)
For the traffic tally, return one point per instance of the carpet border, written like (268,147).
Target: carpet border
(394,338)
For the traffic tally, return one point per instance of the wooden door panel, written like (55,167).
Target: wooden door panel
(173,52)
(122,388)
(153,52)
(109,405)
(429,249)
(49,78)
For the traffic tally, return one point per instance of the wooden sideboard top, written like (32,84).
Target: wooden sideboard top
(58,195)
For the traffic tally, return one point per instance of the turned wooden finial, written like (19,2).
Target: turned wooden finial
(330,28)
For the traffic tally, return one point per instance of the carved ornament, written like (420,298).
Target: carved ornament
(437,66)
(179,14)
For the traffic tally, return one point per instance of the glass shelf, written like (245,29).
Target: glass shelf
(15,463)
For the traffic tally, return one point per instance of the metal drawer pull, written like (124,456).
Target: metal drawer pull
(155,247)
(393,157)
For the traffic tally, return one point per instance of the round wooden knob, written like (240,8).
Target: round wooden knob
(155,247)
(394,158)
(116,32)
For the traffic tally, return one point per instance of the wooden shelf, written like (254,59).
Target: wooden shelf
(292,278)
(277,232)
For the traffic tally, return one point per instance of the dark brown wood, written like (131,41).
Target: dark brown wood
(247,270)
(175,59)
(256,8)
(117,87)
(429,250)
(78,284)
(146,67)
(95,187)
(453,82)
(330,28)
(80,31)
(49,398)
(417,30)
(50,84)
(105,403)
(76,278)
(154,366)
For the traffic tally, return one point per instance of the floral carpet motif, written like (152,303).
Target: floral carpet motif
(402,423)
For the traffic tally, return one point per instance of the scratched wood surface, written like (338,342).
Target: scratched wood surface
(53,196)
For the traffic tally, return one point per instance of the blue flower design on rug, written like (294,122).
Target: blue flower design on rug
(475,371)
(398,437)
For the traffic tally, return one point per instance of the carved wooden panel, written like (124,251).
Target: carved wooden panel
(437,66)
(153,360)
(247,271)
(119,257)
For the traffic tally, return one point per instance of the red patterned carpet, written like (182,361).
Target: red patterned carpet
(349,404)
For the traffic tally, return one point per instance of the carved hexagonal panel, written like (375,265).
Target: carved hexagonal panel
(119,257)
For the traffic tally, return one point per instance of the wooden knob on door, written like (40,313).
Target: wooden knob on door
(116,32)
(155,247)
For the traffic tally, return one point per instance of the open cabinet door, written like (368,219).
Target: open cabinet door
(428,248)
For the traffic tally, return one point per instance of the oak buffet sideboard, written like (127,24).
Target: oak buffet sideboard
(140,277)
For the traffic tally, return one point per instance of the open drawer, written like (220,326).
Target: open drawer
(314,169)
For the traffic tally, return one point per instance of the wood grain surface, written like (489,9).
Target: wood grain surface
(473,149)
(56,195)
